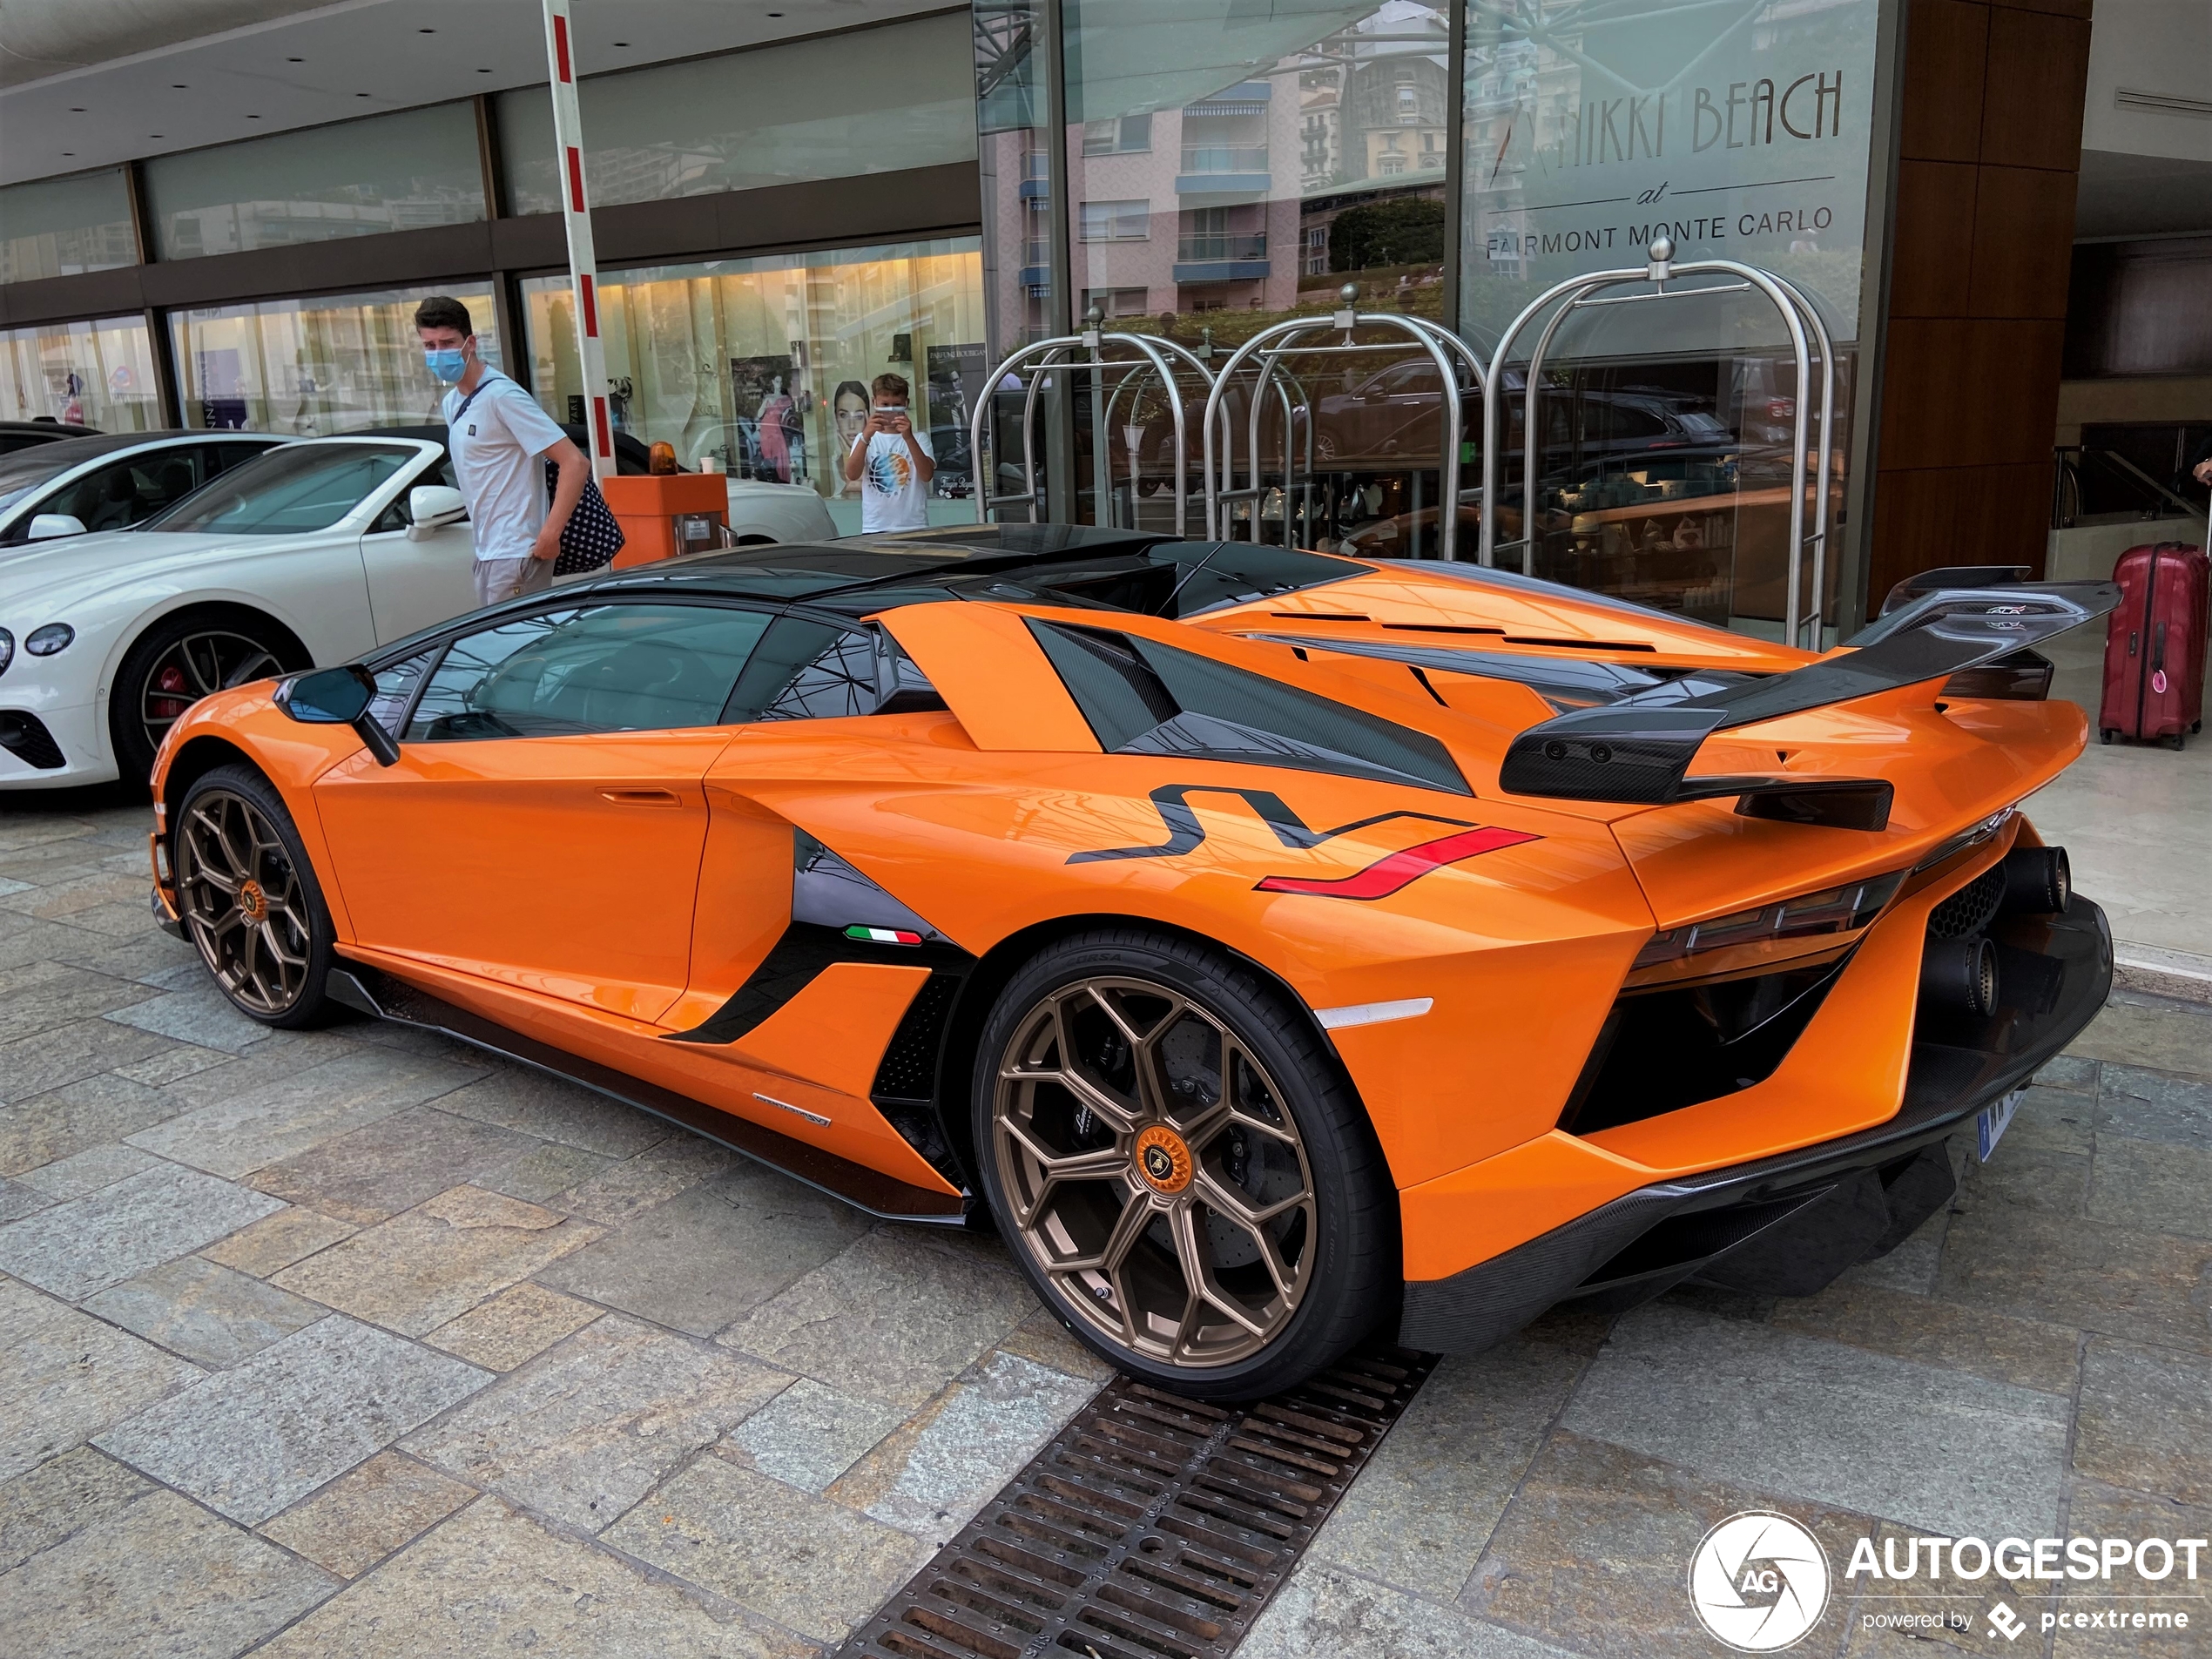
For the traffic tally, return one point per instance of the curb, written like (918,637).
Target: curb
(2178,974)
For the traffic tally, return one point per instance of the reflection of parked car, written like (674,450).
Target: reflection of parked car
(1393,417)
(26,435)
(302,555)
(111,483)
(1258,989)
(761,511)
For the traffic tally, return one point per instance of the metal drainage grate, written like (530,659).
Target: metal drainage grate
(1153,1528)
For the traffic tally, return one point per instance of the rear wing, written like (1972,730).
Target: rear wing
(1639,751)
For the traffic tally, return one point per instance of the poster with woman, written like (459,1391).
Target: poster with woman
(848,415)
(772,438)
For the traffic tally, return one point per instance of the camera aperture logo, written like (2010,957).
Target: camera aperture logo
(1758,1582)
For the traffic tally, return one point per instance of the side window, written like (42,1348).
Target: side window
(394,516)
(115,497)
(808,670)
(218,458)
(395,688)
(596,668)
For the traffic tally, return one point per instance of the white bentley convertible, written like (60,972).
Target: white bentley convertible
(311,553)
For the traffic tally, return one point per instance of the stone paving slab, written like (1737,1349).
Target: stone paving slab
(210,1314)
(515,1326)
(92,1111)
(434,1263)
(813,1566)
(945,1307)
(1831,1424)
(256,1438)
(713,1252)
(371,1173)
(237,1134)
(162,1576)
(492,1581)
(590,1427)
(101,1239)
(367,1512)
(64,1376)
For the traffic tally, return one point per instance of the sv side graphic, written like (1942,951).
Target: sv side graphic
(1384,876)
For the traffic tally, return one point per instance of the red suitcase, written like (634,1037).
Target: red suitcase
(2155,646)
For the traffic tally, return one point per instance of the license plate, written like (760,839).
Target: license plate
(1991,1123)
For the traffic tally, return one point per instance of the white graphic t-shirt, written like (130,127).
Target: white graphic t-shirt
(496,450)
(891,496)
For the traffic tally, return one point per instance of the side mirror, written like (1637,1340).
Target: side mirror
(339,697)
(44,527)
(430,508)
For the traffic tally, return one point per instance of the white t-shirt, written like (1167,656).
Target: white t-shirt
(892,497)
(497,449)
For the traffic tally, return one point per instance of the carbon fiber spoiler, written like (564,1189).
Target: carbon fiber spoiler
(1639,751)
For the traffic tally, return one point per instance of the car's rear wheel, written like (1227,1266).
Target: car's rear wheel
(179,662)
(1180,1167)
(249,900)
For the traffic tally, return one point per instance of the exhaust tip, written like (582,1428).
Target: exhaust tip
(1959,974)
(2039,881)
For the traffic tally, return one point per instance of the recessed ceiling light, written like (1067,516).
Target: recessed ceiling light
(252,117)
(178,86)
(295,60)
(622,42)
(483,71)
(426,31)
(155,135)
(66,154)
(76,109)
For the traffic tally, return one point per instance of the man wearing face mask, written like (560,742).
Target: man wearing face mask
(500,441)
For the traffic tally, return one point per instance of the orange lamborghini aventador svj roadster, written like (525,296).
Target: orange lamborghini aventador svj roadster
(1268,945)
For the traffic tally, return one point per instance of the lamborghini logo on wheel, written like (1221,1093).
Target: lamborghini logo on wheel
(1163,1158)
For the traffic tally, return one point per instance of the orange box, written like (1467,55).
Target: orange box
(647,506)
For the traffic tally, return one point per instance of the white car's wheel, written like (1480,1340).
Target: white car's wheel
(179,662)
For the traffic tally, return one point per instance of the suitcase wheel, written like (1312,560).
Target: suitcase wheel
(2176,741)
(2105,736)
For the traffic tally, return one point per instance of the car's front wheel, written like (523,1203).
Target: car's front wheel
(249,900)
(1180,1167)
(181,660)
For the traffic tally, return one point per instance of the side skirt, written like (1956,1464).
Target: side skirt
(384,997)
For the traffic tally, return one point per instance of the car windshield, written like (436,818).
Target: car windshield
(290,491)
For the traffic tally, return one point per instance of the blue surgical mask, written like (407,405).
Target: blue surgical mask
(449,364)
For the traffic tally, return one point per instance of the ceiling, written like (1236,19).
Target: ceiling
(2132,195)
(88,83)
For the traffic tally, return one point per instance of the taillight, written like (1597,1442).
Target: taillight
(1808,915)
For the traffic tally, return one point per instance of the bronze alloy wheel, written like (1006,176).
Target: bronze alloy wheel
(1154,1174)
(197,666)
(242,901)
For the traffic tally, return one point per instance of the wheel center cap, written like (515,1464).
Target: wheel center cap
(252,903)
(1163,1158)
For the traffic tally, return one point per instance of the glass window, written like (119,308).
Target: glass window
(388,172)
(293,490)
(807,671)
(55,227)
(317,367)
(395,688)
(765,364)
(868,100)
(1118,221)
(125,493)
(99,375)
(600,668)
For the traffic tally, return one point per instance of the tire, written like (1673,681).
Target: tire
(269,951)
(176,662)
(1144,1178)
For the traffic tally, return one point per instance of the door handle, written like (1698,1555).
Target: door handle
(641,797)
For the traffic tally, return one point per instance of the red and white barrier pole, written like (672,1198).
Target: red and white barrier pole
(576,213)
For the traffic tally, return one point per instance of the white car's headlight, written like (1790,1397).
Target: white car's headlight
(53,637)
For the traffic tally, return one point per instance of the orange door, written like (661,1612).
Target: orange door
(567,865)
(546,821)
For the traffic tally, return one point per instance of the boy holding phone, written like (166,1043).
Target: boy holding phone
(894,465)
